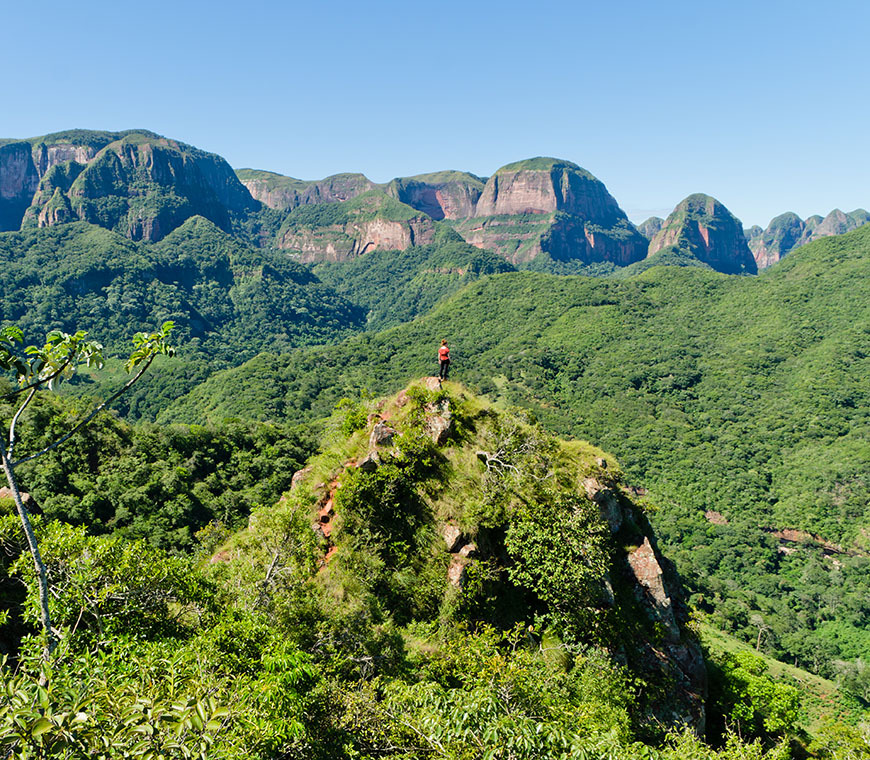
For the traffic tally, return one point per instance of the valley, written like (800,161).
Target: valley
(725,518)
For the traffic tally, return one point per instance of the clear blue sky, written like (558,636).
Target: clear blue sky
(761,104)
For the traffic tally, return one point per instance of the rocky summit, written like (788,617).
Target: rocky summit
(551,207)
(703,228)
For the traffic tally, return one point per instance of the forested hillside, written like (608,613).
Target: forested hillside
(470,581)
(745,398)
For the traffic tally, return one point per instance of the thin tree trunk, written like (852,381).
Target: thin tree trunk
(39,565)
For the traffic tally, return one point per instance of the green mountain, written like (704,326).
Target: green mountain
(136,183)
(739,403)
(229,301)
(702,227)
(442,575)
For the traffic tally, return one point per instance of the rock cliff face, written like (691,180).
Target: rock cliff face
(788,231)
(442,195)
(286,193)
(345,242)
(551,207)
(24,163)
(704,228)
(342,231)
(136,183)
(18,182)
(784,233)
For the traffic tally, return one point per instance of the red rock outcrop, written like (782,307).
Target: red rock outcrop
(345,242)
(551,207)
(443,195)
(286,193)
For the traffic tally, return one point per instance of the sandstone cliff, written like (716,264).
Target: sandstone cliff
(18,182)
(551,207)
(286,193)
(23,164)
(441,195)
(342,231)
(704,228)
(788,231)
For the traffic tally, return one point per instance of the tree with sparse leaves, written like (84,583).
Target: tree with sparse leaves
(38,368)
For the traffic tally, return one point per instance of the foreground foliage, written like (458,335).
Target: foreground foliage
(257,649)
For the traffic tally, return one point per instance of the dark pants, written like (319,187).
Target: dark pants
(445,366)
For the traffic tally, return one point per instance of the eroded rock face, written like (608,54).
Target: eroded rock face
(542,186)
(439,421)
(452,538)
(136,183)
(788,231)
(704,228)
(607,501)
(347,241)
(649,229)
(286,193)
(783,234)
(555,208)
(650,578)
(18,182)
(445,195)
(381,435)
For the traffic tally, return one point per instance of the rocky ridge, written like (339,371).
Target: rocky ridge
(342,231)
(286,193)
(788,231)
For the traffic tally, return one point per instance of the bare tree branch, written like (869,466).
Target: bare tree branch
(15,421)
(43,381)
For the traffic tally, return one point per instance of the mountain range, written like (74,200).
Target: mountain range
(544,214)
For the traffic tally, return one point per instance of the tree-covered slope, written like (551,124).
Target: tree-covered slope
(396,286)
(743,397)
(228,300)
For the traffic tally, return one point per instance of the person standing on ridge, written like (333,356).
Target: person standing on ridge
(444,359)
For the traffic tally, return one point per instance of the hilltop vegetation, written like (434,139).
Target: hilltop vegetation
(352,641)
(745,397)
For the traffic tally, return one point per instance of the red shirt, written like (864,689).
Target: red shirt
(444,354)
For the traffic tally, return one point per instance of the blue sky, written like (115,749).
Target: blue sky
(762,104)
